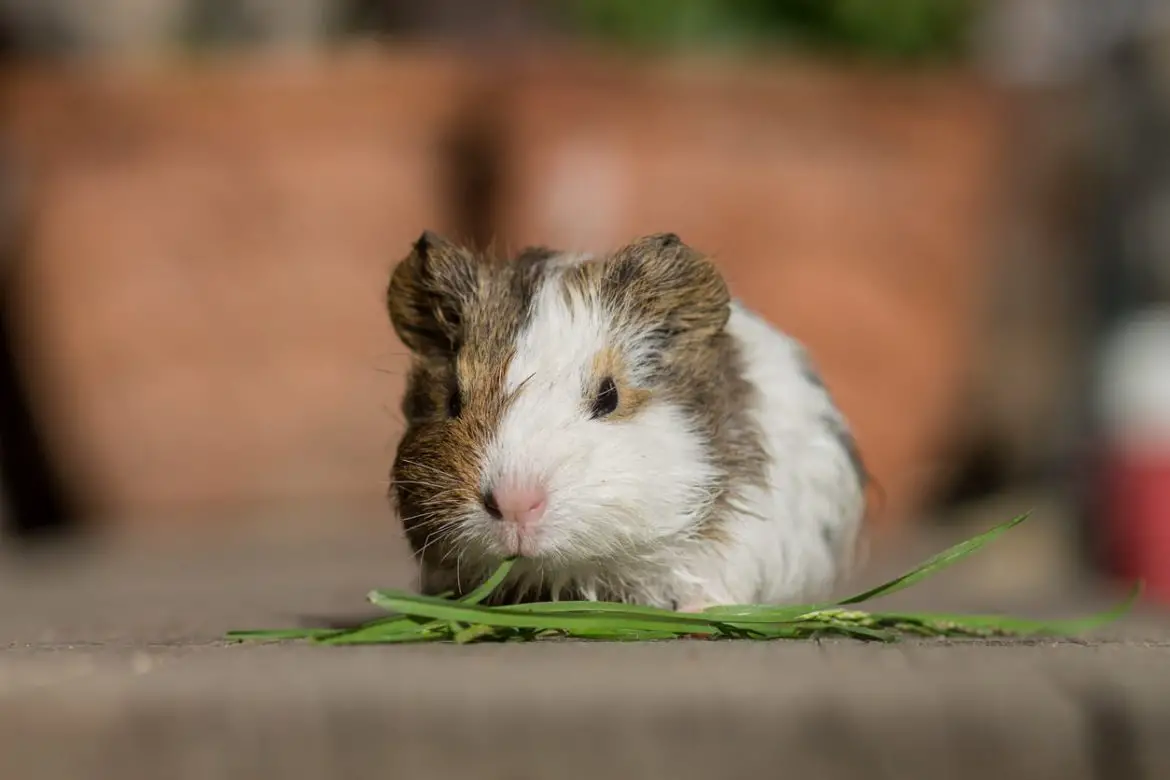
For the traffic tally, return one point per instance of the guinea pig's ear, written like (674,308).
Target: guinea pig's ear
(679,289)
(428,293)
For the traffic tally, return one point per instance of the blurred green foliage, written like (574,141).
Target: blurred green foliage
(887,29)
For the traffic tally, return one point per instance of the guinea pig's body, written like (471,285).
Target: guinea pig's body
(621,426)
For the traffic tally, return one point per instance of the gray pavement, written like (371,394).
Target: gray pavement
(111,666)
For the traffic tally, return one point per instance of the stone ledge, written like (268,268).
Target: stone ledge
(580,710)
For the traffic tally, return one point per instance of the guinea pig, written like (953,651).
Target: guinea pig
(619,425)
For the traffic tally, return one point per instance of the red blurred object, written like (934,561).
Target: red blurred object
(1138,519)
(1136,405)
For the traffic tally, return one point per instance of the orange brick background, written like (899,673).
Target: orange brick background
(209,246)
(204,296)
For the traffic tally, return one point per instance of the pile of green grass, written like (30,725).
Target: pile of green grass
(416,618)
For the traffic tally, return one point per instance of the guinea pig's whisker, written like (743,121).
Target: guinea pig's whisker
(429,506)
(430,517)
(425,512)
(433,469)
(441,494)
(423,520)
(440,498)
(462,535)
(438,517)
(441,478)
(419,483)
(436,537)
(447,556)
(458,565)
(519,389)
(433,520)
(443,489)
(430,511)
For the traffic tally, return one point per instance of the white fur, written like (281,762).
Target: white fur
(625,495)
(779,552)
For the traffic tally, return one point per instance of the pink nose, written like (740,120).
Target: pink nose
(521,504)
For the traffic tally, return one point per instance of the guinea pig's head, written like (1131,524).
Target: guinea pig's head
(554,406)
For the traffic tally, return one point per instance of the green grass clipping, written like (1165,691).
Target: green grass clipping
(417,618)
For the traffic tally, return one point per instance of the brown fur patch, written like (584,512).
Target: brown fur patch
(460,314)
(718,396)
(660,285)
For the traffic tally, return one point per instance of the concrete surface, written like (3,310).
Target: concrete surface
(111,666)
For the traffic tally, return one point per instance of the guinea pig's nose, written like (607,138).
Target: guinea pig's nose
(523,504)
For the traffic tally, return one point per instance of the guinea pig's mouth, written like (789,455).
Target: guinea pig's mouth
(514,540)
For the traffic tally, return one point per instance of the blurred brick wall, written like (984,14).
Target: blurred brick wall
(204,288)
(854,209)
(211,245)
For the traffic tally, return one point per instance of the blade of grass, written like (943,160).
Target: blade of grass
(1024,626)
(393,624)
(591,607)
(763,613)
(474,633)
(281,633)
(737,615)
(937,563)
(409,626)
(440,609)
(651,617)
(604,610)
(712,616)
(573,608)
(806,629)
(858,632)
(489,585)
(375,638)
(624,635)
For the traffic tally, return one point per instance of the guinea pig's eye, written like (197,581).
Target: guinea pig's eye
(454,402)
(606,399)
